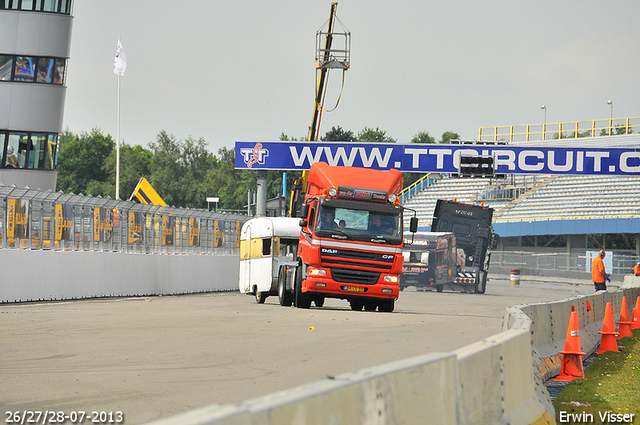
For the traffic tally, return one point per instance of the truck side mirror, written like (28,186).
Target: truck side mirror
(304,211)
(413,224)
(303,223)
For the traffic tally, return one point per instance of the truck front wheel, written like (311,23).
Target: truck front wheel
(356,305)
(302,300)
(386,306)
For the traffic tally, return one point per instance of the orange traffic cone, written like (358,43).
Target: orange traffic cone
(635,316)
(624,328)
(572,355)
(608,341)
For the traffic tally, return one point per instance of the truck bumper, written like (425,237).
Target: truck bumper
(331,288)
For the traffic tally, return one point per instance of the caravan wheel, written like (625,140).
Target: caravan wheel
(260,297)
(284,297)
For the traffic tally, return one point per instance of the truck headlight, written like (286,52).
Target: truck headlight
(391,279)
(312,271)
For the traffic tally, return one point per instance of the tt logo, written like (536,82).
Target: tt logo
(257,155)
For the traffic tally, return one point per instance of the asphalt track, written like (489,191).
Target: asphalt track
(158,356)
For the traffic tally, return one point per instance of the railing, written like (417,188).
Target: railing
(561,130)
(619,263)
(36,219)
(413,189)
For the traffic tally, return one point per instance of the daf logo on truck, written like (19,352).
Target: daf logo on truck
(364,274)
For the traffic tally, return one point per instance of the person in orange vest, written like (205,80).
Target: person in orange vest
(636,269)
(598,274)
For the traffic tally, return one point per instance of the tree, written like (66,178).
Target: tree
(286,138)
(135,162)
(374,136)
(448,136)
(178,170)
(81,161)
(423,137)
(338,135)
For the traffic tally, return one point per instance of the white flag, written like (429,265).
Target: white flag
(120,63)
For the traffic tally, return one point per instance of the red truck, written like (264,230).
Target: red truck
(351,238)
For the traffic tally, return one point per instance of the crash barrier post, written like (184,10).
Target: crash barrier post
(494,381)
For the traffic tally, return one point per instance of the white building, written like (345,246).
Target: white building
(35,36)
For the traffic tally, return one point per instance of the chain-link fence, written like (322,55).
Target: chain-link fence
(37,219)
(617,263)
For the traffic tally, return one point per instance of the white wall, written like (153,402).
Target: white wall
(56,275)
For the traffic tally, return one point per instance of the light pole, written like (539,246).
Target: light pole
(610,102)
(544,126)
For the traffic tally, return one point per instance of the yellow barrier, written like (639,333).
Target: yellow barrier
(560,130)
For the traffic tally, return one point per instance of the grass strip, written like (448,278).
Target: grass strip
(610,392)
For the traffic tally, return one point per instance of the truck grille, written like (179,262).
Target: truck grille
(343,257)
(362,277)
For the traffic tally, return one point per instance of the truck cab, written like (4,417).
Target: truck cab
(472,225)
(351,237)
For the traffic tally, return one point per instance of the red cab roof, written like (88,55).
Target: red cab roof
(323,176)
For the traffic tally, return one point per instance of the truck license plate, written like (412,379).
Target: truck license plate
(353,288)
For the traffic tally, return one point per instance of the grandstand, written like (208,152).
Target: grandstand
(529,208)
(556,197)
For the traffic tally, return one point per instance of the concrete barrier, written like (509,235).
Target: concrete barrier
(494,381)
(60,275)
(497,380)
(413,391)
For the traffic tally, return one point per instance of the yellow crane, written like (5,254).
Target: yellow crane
(328,57)
(146,194)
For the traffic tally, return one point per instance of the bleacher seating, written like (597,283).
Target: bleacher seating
(550,198)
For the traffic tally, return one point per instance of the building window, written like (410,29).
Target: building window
(6,65)
(25,69)
(36,151)
(53,6)
(32,69)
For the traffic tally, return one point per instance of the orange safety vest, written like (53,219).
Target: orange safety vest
(636,270)
(597,268)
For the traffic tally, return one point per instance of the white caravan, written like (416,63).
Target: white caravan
(268,248)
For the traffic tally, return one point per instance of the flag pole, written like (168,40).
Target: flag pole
(118,143)
(118,138)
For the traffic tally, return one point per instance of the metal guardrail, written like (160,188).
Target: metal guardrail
(621,263)
(560,130)
(415,188)
(46,220)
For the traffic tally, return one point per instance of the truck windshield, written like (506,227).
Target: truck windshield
(356,224)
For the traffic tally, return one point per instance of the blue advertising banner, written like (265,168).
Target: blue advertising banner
(436,158)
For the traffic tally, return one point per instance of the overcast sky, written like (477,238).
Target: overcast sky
(227,71)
